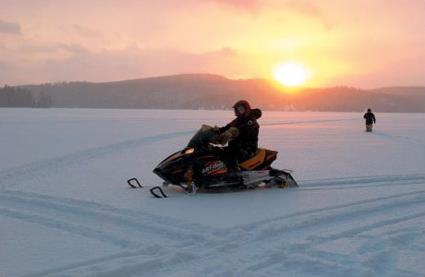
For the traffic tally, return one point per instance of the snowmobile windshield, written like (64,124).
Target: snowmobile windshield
(202,137)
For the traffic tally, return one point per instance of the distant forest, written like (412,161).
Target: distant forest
(21,97)
(211,92)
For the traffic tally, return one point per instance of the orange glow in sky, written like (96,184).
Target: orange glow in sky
(365,43)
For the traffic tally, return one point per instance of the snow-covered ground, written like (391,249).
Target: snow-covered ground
(65,208)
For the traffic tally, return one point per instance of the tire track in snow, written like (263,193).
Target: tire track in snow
(392,137)
(366,217)
(310,221)
(310,213)
(65,214)
(306,122)
(226,238)
(378,224)
(10,177)
(324,260)
(361,180)
(76,229)
(240,243)
(64,203)
(74,216)
(79,266)
(259,255)
(221,244)
(282,232)
(262,242)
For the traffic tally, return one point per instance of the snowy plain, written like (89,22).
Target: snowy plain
(65,208)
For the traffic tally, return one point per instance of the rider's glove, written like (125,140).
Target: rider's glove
(226,136)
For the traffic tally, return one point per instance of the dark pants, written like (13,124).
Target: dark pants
(369,127)
(233,155)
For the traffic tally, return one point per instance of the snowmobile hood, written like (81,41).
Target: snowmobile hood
(172,167)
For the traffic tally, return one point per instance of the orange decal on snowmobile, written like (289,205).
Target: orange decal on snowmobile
(254,161)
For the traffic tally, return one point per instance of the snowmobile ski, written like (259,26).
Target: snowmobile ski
(161,192)
(131,182)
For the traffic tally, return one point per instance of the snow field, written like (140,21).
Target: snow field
(65,209)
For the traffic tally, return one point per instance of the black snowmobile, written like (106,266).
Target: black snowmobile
(200,166)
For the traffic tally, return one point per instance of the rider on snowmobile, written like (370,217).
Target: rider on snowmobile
(241,134)
(203,165)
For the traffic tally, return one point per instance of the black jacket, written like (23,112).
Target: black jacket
(248,133)
(370,118)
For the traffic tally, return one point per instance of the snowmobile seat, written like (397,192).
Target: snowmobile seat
(254,161)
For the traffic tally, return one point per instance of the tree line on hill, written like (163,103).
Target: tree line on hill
(22,97)
(207,91)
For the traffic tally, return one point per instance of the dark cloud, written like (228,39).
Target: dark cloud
(10,27)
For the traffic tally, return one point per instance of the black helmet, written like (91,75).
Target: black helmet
(242,108)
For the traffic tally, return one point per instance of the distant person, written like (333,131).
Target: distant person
(370,120)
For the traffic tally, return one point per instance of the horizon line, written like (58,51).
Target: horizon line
(221,77)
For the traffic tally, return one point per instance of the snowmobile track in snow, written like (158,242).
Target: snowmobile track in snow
(362,181)
(275,236)
(296,234)
(48,167)
(82,217)
(151,245)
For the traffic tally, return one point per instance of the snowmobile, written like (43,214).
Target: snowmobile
(200,166)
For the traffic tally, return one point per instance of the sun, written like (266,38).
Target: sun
(291,74)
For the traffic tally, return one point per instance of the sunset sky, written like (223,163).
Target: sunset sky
(363,43)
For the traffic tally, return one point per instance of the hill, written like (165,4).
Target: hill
(207,91)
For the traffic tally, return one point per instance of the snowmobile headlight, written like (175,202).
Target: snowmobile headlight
(189,151)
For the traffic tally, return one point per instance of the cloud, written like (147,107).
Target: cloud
(71,47)
(224,52)
(248,5)
(109,65)
(84,31)
(311,10)
(9,27)
(305,8)
(8,74)
(53,48)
